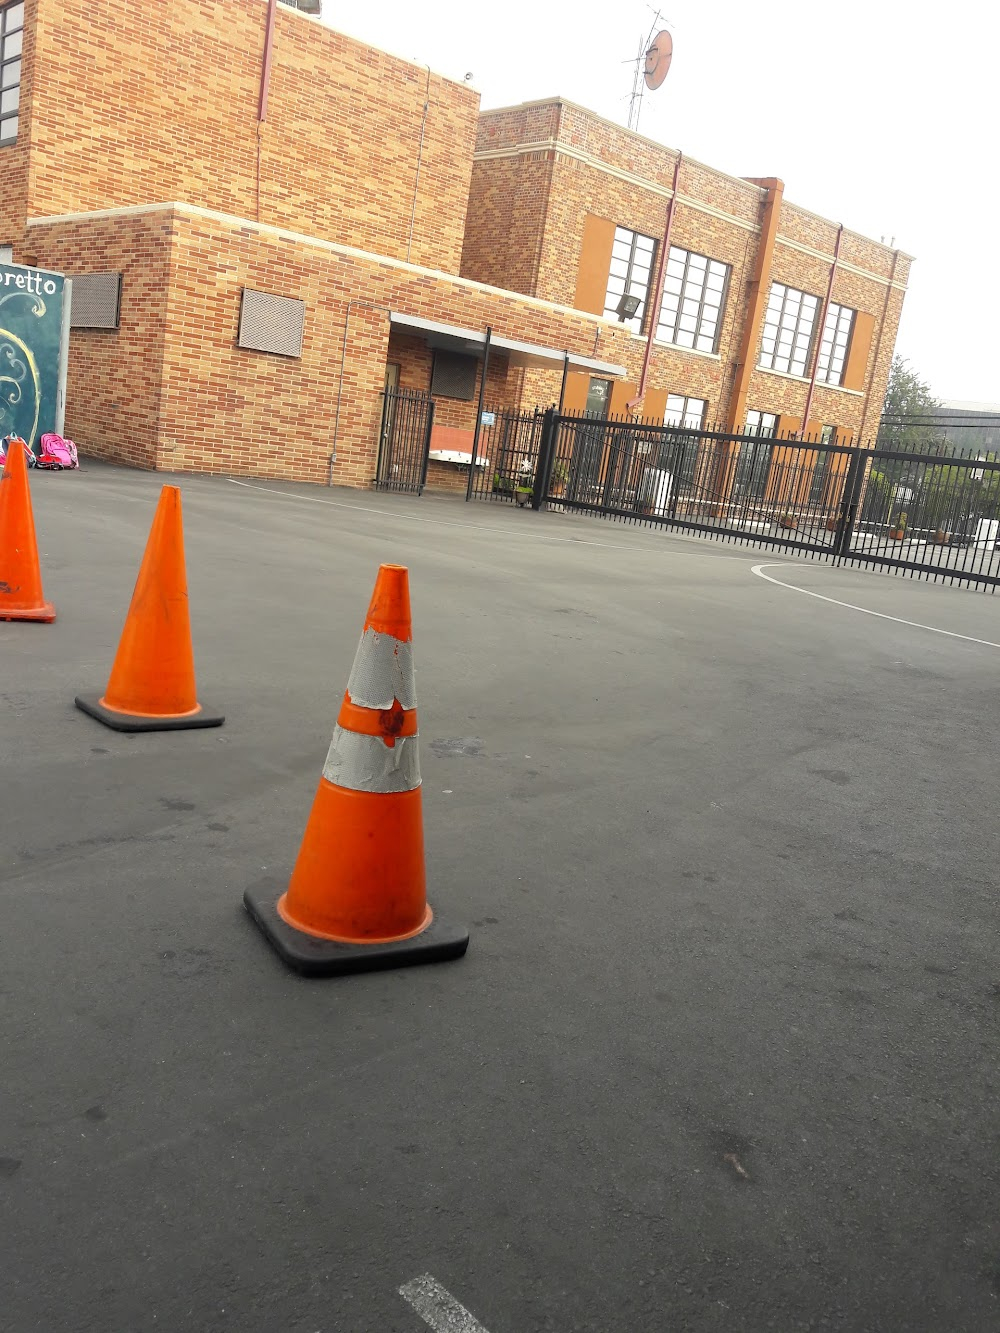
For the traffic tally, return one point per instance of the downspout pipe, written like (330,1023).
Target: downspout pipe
(819,337)
(265,73)
(653,307)
(878,349)
(420,155)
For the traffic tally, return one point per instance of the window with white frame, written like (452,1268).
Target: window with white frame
(762,423)
(788,329)
(686,412)
(631,266)
(11,38)
(694,294)
(833,344)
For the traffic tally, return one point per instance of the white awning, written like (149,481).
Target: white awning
(473,342)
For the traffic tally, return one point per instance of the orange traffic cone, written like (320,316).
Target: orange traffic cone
(21,596)
(152,680)
(357,900)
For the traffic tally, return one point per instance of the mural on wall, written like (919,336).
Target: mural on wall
(31,314)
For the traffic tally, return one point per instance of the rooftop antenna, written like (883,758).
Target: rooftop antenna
(650,66)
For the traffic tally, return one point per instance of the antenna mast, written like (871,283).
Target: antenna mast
(638,81)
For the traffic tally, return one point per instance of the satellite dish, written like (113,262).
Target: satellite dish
(658,59)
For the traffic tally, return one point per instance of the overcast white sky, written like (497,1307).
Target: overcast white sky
(874,113)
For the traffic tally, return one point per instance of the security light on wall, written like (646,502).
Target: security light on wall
(627,306)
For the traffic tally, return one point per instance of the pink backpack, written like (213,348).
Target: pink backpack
(58,453)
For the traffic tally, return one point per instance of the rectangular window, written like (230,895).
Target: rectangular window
(788,330)
(694,295)
(833,344)
(631,265)
(11,37)
(762,423)
(686,412)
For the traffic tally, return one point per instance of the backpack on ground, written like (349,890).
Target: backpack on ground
(6,443)
(58,453)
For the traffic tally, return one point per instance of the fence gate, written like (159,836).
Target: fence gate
(507,456)
(404,440)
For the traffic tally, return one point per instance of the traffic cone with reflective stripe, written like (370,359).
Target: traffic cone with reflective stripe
(357,899)
(21,596)
(151,687)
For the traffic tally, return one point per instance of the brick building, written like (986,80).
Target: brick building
(735,337)
(267,221)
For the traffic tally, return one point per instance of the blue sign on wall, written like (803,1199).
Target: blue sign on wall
(31,325)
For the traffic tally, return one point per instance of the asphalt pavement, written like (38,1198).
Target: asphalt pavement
(723,1053)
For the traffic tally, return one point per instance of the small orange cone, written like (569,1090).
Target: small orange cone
(152,680)
(357,899)
(21,596)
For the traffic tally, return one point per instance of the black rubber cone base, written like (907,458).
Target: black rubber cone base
(326,958)
(91,703)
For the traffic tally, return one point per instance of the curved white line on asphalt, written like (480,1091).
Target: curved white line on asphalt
(914,624)
(476,527)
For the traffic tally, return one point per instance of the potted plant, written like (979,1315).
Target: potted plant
(502,485)
(560,477)
(899,531)
(833,522)
(942,536)
(787,519)
(522,494)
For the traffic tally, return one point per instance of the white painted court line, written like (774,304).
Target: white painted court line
(914,624)
(481,527)
(438,1307)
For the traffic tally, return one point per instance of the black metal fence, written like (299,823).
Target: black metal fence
(404,440)
(507,456)
(916,514)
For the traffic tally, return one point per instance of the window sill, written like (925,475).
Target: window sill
(676,347)
(804,379)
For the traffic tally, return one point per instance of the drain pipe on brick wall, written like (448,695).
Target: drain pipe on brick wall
(265,85)
(661,274)
(420,154)
(819,341)
(370,305)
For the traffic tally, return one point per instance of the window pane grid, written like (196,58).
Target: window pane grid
(631,265)
(682,411)
(788,329)
(11,37)
(762,423)
(693,296)
(833,345)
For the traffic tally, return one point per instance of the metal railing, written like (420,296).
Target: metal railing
(914,513)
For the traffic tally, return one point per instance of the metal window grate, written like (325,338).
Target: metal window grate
(96,302)
(454,375)
(271,323)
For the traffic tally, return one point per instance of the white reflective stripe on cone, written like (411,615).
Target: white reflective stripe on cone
(382,671)
(366,763)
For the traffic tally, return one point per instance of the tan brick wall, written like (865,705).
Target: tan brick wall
(602,169)
(114,387)
(149,101)
(172,389)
